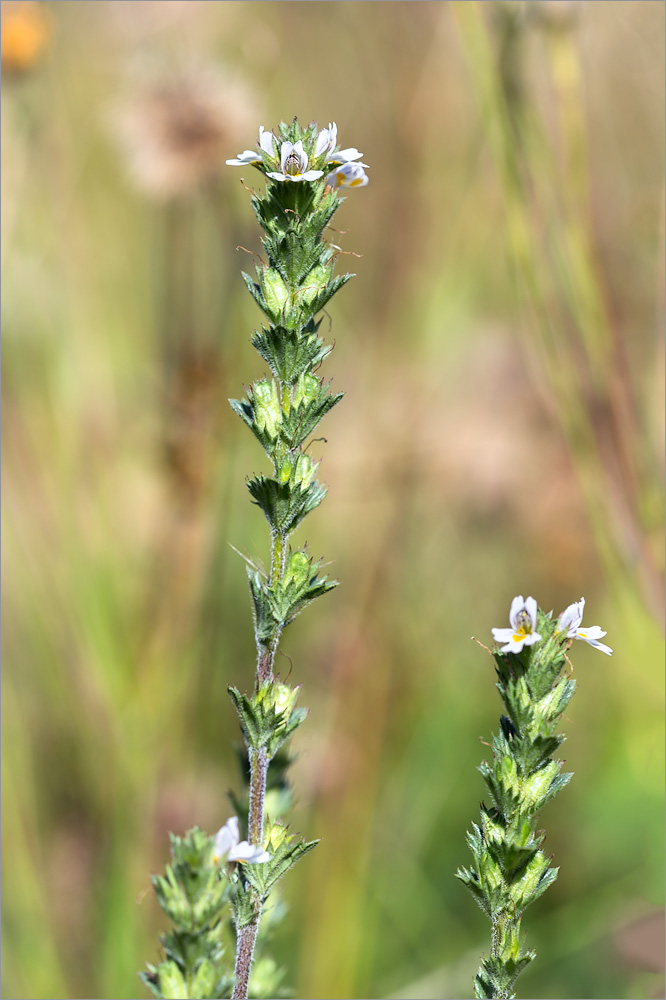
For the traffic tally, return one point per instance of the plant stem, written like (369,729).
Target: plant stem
(247,935)
(258,774)
(244,953)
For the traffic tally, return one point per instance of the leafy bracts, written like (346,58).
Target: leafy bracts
(193,893)
(510,870)
(283,410)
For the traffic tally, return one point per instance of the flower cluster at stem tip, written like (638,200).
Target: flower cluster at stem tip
(523,619)
(229,847)
(305,160)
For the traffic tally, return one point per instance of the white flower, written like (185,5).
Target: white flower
(244,159)
(229,847)
(293,164)
(294,161)
(326,140)
(348,175)
(523,615)
(248,156)
(345,156)
(267,141)
(570,620)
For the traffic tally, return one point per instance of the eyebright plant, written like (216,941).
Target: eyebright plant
(283,411)
(208,877)
(510,869)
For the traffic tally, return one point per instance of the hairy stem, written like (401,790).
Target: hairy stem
(244,954)
(247,935)
(258,774)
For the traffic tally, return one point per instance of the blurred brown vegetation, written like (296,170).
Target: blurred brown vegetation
(501,351)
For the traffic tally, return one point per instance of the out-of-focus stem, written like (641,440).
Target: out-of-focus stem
(579,353)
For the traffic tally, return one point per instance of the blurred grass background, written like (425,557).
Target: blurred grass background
(502,433)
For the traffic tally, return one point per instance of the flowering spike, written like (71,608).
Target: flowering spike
(510,870)
(283,412)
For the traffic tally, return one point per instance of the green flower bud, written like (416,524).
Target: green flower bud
(205,980)
(284,698)
(315,283)
(306,389)
(305,471)
(172,984)
(268,413)
(298,470)
(298,569)
(278,697)
(274,289)
(286,469)
(276,836)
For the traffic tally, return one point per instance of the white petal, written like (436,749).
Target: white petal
(502,634)
(531,608)
(302,156)
(312,175)
(285,150)
(344,155)
(517,605)
(247,156)
(530,639)
(571,617)
(593,632)
(593,640)
(322,142)
(248,853)
(227,838)
(266,141)
(276,176)
(512,646)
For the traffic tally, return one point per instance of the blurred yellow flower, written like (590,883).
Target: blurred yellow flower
(25,32)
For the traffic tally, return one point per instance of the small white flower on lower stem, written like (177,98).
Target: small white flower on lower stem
(570,620)
(348,175)
(293,164)
(523,615)
(229,846)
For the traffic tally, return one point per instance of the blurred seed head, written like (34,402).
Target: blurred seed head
(556,13)
(25,33)
(177,130)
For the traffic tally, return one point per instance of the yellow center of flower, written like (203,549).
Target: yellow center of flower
(524,626)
